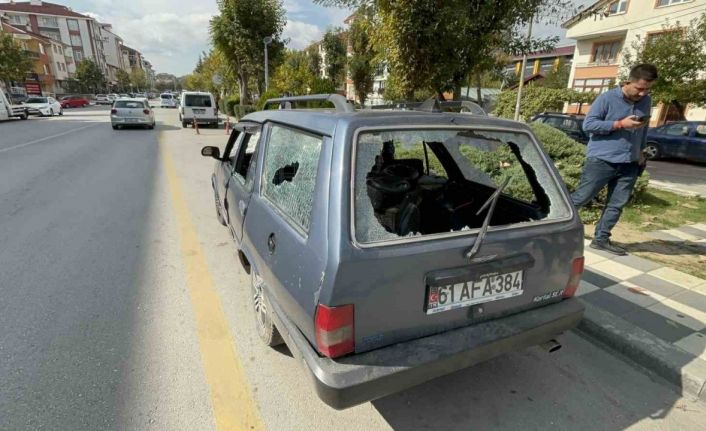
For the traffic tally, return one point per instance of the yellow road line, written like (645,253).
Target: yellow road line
(233,406)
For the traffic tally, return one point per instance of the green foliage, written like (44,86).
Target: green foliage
(272,93)
(228,104)
(293,75)
(334,47)
(557,78)
(314,59)
(89,76)
(238,32)
(679,53)
(123,79)
(138,79)
(15,63)
(242,110)
(536,99)
(361,64)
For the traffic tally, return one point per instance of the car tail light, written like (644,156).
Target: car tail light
(334,330)
(575,278)
(113,111)
(146,111)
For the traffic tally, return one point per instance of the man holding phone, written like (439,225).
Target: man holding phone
(617,123)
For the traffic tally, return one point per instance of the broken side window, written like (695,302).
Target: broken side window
(289,172)
(425,182)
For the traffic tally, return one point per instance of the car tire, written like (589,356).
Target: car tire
(24,116)
(266,329)
(652,151)
(115,127)
(61,112)
(184,124)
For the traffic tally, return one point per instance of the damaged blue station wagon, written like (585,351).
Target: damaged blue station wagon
(388,248)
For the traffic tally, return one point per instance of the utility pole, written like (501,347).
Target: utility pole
(522,73)
(266,41)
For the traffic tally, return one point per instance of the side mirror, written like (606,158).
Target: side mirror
(214,152)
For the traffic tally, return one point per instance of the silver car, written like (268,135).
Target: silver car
(130,113)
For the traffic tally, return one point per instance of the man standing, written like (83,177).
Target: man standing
(617,122)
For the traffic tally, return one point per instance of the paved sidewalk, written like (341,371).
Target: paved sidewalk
(654,314)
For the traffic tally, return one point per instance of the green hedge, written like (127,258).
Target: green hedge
(230,104)
(536,99)
(242,110)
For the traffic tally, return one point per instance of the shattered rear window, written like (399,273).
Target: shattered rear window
(289,172)
(411,183)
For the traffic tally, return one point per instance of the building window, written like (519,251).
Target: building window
(596,85)
(17,19)
(73,24)
(661,3)
(75,40)
(41,49)
(51,34)
(46,69)
(619,6)
(48,21)
(606,52)
(78,55)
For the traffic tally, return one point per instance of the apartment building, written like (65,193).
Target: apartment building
(61,24)
(112,53)
(38,48)
(605,29)
(541,62)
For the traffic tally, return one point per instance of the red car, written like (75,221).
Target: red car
(74,102)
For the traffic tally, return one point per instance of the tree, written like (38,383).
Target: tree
(293,75)
(361,64)
(557,78)
(314,59)
(679,53)
(15,64)
(335,55)
(138,79)
(430,44)
(89,76)
(238,33)
(123,79)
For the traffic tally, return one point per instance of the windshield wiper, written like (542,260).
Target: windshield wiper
(491,202)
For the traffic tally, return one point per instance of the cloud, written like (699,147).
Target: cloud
(301,34)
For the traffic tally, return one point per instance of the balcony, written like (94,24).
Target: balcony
(32,54)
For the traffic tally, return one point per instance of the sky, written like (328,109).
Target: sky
(172,33)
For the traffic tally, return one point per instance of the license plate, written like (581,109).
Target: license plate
(199,111)
(131,120)
(487,288)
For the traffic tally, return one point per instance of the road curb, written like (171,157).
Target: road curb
(675,365)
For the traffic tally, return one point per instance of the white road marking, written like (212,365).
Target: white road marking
(46,138)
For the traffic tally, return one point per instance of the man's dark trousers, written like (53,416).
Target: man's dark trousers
(620,179)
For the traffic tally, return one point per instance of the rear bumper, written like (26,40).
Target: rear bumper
(201,120)
(129,121)
(367,376)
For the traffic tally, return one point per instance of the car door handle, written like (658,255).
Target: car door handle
(271,243)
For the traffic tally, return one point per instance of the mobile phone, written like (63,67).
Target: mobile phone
(643,119)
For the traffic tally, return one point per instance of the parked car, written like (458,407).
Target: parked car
(385,248)
(132,113)
(43,106)
(167,100)
(570,124)
(9,110)
(197,106)
(113,97)
(682,139)
(74,102)
(102,99)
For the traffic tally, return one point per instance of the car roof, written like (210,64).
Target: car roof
(326,121)
(131,99)
(197,92)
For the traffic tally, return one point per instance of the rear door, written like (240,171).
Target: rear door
(240,183)
(696,147)
(198,106)
(673,140)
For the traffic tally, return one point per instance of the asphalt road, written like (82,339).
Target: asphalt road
(116,280)
(679,176)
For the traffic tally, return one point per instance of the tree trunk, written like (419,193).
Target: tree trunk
(479,95)
(457,90)
(243,84)
(680,110)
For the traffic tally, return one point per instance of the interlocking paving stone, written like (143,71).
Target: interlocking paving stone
(661,235)
(616,269)
(636,295)
(656,285)
(680,313)
(663,327)
(597,279)
(637,262)
(586,288)
(692,299)
(683,235)
(611,303)
(694,344)
(677,277)
(593,258)
(693,231)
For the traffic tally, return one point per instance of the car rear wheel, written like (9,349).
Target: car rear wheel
(61,112)
(184,124)
(652,151)
(263,319)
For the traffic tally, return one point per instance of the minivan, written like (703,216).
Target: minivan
(388,248)
(197,106)
(167,100)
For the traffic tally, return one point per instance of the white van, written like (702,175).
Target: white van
(199,106)
(167,100)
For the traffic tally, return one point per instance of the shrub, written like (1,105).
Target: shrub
(269,94)
(230,105)
(243,110)
(536,99)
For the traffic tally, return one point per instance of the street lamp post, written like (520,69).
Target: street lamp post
(266,41)
(522,73)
